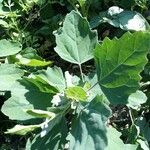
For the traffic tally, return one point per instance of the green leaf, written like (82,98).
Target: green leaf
(117,17)
(130,147)
(30,53)
(40,113)
(119,63)
(82,2)
(136,99)
(8,75)
(42,84)
(25,95)
(114,141)
(22,130)
(49,124)
(127,20)
(33,62)
(29,57)
(75,41)
(76,93)
(3,13)
(8,48)
(53,76)
(94,87)
(144,123)
(4,23)
(54,140)
(133,133)
(88,128)
(143,144)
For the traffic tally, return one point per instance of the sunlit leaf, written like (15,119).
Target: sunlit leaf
(75,41)
(119,63)
(8,75)
(9,48)
(76,93)
(22,130)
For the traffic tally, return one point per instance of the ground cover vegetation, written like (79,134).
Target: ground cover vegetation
(75,74)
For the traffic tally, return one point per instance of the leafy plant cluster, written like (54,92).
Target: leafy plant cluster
(74,74)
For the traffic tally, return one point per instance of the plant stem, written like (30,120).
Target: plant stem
(81,72)
(131,117)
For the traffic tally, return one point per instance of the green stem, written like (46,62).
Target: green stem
(81,72)
(131,117)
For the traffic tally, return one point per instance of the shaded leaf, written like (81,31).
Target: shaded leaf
(88,129)
(49,124)
(134,132)
(41,84)
(144,127)
(54,140)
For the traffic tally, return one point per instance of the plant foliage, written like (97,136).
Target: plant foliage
(68,67)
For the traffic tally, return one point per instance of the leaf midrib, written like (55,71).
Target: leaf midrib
(117,66)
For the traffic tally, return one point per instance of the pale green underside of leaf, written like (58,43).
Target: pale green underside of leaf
(117,17)
(40,113)
(88,130)
(8,75)
(25,95)
(136,99)
(119,63)
(8,48)
(130,20)
(115,143)
(21,129)
(75,41)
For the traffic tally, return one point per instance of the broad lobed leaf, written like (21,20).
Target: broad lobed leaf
(114,141)
(119,63)
(25,95)
(75,41)
(88,128)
